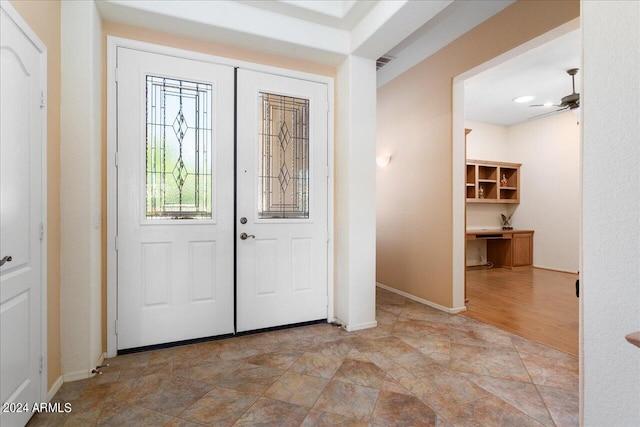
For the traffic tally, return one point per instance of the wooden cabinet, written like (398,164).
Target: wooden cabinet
(506,248)
(493,182)
(522,247)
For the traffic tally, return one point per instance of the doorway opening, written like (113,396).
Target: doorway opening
(520,245)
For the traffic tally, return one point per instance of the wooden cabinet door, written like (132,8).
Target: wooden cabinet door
(522,249)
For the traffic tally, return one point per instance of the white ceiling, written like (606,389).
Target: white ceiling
(327,31)
(540,72)
(339,14)
(324,31)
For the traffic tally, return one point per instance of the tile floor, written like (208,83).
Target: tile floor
(419,367)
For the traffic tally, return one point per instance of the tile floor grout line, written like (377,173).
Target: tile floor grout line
(535,385)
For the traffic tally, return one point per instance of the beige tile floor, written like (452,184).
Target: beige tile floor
(419,367)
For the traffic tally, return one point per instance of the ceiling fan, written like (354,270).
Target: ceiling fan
(569,102)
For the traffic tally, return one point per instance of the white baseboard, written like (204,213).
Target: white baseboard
(453,310)
(360,326)
(76,375)
(85,373)
(54,388)
(555,269)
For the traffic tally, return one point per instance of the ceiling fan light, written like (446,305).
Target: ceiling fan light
(523,99)
(548,104)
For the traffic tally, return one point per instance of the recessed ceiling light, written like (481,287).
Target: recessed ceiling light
(523,99)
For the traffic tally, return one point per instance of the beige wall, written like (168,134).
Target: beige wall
(414,193)
(44,18)
(211,48)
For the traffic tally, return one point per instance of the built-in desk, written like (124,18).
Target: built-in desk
(506,248)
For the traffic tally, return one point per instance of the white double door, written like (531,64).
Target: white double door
(190,182)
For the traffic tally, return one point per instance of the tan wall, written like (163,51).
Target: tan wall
(414,193)
(44,18)
(217,49)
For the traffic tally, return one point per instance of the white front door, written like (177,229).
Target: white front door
(175,196)
(21,215)
(282,184)
(175,199)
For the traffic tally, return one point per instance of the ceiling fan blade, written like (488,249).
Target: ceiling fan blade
(548,113)
(542,105)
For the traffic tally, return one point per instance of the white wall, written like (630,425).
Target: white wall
(355,213)
(486,141)
(549,150)
(80,189)
(610,272)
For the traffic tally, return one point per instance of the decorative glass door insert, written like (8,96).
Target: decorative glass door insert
(178,149)
(283,169)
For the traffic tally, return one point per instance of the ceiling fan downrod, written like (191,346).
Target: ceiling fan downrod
(572,72)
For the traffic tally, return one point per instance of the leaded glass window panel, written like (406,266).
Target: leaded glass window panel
(283,175)
(178,149)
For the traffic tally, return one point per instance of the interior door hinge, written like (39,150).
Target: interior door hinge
(116,322)
(116,74)
(116,243)
(328,107)
(116,158)
(41,364)
(41,231)
(42,99)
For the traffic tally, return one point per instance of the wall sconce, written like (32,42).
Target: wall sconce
(383,161)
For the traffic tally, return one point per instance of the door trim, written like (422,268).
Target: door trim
(42,48)
(113,43)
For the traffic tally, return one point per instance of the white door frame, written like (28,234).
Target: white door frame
(113,43)
(459,156)
(42,48)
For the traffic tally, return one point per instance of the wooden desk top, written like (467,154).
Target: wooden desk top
(495,233)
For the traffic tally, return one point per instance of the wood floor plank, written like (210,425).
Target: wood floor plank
(534,303)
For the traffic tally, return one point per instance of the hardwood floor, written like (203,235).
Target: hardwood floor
(534,303)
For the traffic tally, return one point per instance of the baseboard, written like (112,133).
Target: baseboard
(453,310)
(555,269)
(76,375)
(101,359)
(83,374)
(54,388)
(361,326)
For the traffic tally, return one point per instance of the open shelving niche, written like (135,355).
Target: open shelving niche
(488,176)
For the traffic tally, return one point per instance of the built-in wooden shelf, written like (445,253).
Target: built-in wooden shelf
(493,182)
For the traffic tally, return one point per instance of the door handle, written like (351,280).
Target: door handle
(8,258)
(245,236)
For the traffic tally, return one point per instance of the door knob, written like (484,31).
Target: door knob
(245,236)
(5,259)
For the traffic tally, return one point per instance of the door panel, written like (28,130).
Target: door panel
(175,199)
(21,126)
(282,192)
